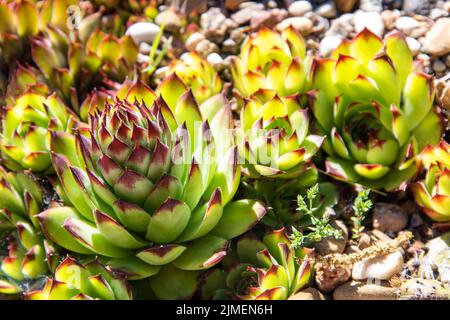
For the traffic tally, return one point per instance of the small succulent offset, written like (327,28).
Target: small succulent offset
(376,111)
(197,74)
(271,269)
(432,193)
(25,138)
(282,270)
(82,281)
(277,148)
(74,68)
(314,209)
(30,256)
(151,184)
(272,61)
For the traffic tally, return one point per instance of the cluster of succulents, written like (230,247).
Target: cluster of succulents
(113,189)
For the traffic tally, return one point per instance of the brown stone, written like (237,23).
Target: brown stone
(308,294)
(355,290)
(345,5)
(437,40)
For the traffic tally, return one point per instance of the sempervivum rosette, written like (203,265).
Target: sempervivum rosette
(30,256)
(88,281)
(25,131)
(376,111)
(263,270)
(151,188)
(432,193)
(271,60)
(278,149)
(197,74)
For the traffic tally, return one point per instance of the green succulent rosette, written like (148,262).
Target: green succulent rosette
(277,151)
(82,281)
(150,183)
(25,132)
(274,137)
(198,75)
(376,111)
(74,68)
(432,193)
(265,270)
(19,20)
(271,60)
(29,256)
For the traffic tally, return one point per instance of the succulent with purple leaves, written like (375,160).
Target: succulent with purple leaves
(148,196)
(270,269)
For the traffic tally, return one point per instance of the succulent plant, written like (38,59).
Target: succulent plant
(88,281)
(19,20)
(432,193)
(151,187)
(25,131)
(376,111)
(277,148)
(274,136)
(30,256)
(270,269)
(197,74)
(271,60)
(74,68)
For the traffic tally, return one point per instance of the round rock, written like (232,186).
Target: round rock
(143,32)
(299,8)
(381,267)
(389,217)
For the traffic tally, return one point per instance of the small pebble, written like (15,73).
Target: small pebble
(143,32)
(299,8)
(327,10)
(301,24)
(328,44)
(215,60)
(370,20)
(439,66)
(193,40)
(380,267)
(413,45)
(406,24)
